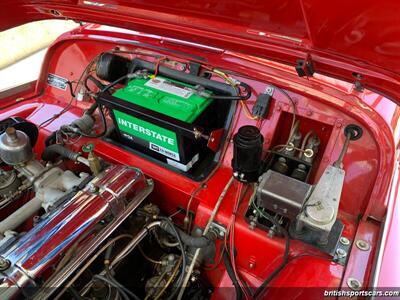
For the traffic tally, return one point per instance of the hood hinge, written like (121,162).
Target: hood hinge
(304,67)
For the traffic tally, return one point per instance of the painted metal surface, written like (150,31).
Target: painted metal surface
(342,38)
(322,102)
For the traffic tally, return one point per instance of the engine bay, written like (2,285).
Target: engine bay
(142,174)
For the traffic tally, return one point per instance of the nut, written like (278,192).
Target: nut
(4,263)
(341,253)
(344,241)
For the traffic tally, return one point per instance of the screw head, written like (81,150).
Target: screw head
(341,253)
(362,245)
(354,284)
(344,241)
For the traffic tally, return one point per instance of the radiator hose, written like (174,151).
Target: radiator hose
(188,240)
(52,151)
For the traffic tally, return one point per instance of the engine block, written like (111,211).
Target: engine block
(94,211)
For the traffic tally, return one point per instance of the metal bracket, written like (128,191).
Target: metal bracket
(219,229)
(342,251)
(304,67)
(358,85)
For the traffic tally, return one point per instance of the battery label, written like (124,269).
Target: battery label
(159,139)
(169,87)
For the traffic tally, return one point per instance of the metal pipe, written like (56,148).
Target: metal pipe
(134,242)
(20,215)
(206,229)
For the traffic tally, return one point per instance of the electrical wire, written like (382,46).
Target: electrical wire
(121,289)
(231,232)
(69,104)
(89,262)
(157,262)
(205,232)
(293,104)
(170,279)
(104,124)
(184,260)
(285,259)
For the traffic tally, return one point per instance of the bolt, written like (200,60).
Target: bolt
(93,188)
(354,284)
(4,263)
(362,245)
(341,253)
(344,241)
(252,265)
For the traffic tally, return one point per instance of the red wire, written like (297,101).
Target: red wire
(158,64)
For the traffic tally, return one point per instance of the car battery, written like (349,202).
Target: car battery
(162,118)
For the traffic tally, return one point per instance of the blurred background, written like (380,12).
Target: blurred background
(22,50)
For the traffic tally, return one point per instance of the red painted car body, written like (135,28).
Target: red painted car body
(260,42)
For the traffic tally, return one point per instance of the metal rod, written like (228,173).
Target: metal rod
(206,229)
(339,161)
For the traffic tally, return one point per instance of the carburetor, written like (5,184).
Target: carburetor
(49,183)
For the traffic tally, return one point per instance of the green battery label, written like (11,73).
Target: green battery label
(156,138)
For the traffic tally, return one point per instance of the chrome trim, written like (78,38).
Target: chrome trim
(70,223)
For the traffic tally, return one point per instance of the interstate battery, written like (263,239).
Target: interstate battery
(162,118)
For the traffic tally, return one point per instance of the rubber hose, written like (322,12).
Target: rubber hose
(52,151)
(195,242)
(215,86)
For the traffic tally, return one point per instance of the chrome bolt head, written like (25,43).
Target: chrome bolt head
(4,263)
(354,284)
(341,253)
(362,245)
(344,241)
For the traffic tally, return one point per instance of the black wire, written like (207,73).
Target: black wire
(231,274)
(113,282)
(285,260)
(184,262)
(238,96)
(96,82)
(74,293)
(110,85)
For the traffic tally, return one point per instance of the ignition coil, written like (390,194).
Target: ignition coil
(247,152)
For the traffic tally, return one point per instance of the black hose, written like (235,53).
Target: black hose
(212,85)
(91,109)
(188,240)
(51,152)
(104,123)
(231,273)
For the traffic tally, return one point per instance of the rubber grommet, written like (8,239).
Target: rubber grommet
(354,130)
